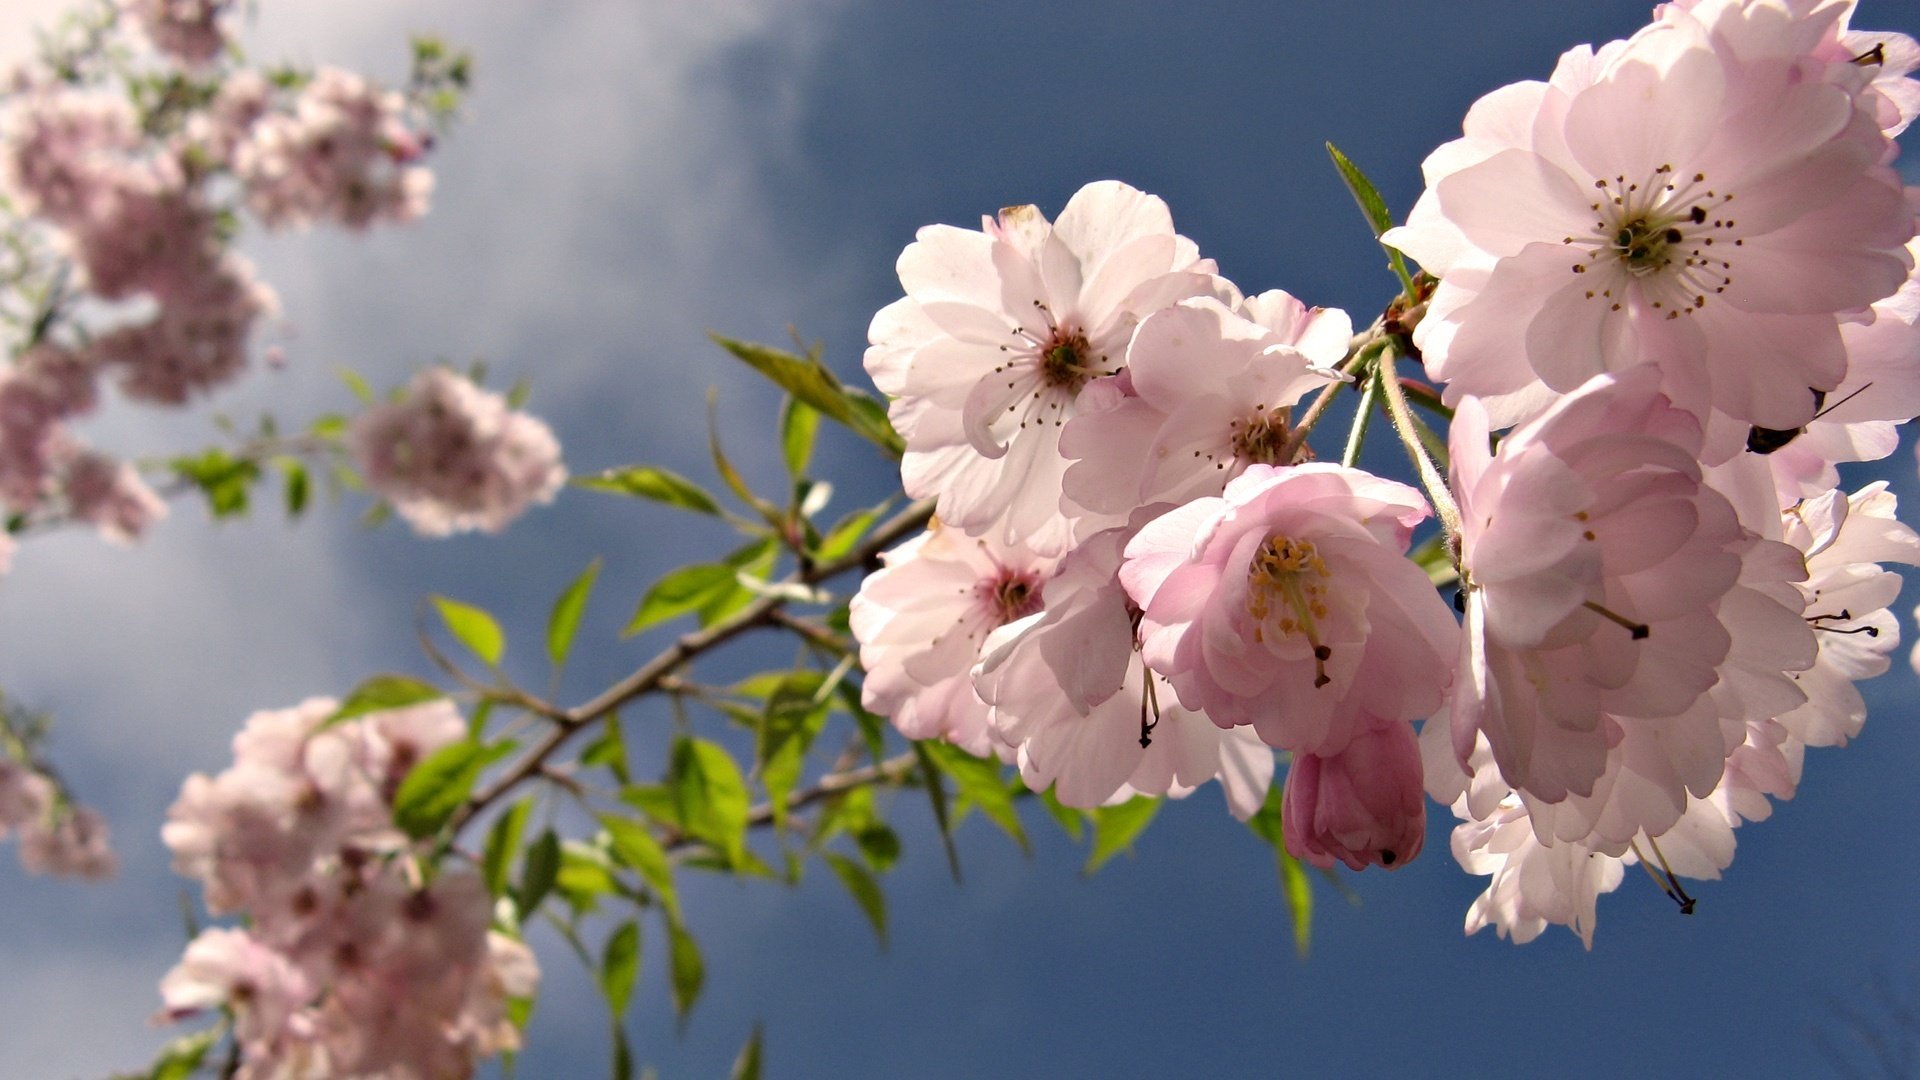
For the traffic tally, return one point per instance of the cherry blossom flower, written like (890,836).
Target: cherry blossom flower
(350,965)
(986,356)
(1622,626)
(190,31)
(1670,198)
(1068,690)
(1847,539)
(922,623)
(452,457)
(1206,392)
(64,150)
(1363,806)
(196,341)
(345,153)
(1287,604)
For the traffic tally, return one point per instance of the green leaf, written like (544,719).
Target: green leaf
(686,589)
(747,1065)
(609,751)
(1072,822)
(474,628)
(710,795)
(622,1055)
(1115,827)
(752,564)
(181,1058)
(799,423)
(1294,885)
(435,788)
(225,480)
(634,847)
(879,845)
(689,972)
(796,712)
(297,485)
(937,795)
(810,381)
(586,875)
(564,623)
(383,692)
(865,890)
(649,482)
(980,782)
(847,532)
(620,966)
(1379,219)
(357,383)
(538,872)
(503,842)
(1298,890)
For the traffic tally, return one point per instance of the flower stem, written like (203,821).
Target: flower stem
(1408,429)
(1362,417)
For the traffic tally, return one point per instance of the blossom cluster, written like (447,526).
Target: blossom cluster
(358,956)
(1664,294)
(452,457)
(56,836)
(120,210)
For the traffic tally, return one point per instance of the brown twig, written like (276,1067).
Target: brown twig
(650,675)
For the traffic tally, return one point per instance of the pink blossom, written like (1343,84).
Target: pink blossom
(1287,604)
(196,341)
(65,150)
(452,457)
(69,842)
(922,623)
(1848,592)
(110,495)
(1595,559)
(1672,198)
(1362,806)
(1068,690)
(986,356)
(190,31)
(1207,391)
(345,154)
(350,965)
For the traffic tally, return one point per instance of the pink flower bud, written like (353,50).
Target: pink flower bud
(1361,806)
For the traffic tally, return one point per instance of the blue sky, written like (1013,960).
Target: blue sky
(632,174)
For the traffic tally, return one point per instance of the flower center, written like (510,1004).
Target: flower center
(1658,234)
(1064,361)
(1260,438)
(1012,596)
(1287,588)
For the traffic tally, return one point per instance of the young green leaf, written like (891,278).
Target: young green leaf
(1115,827)
(356,383)
(810,381)
(538,872)
(689,972)
(474,628)
(1298,890)
(710,795)
(620,966)
(747,1065)
(181,1058)
(686,589)
(564,622)
(648,482)
(383,692)
(635,848)
(799,423)
(297,485)
(435,788)
(503,842)
(980,782)
(1379,219)
(864,889)
(937,795)
(609,751)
